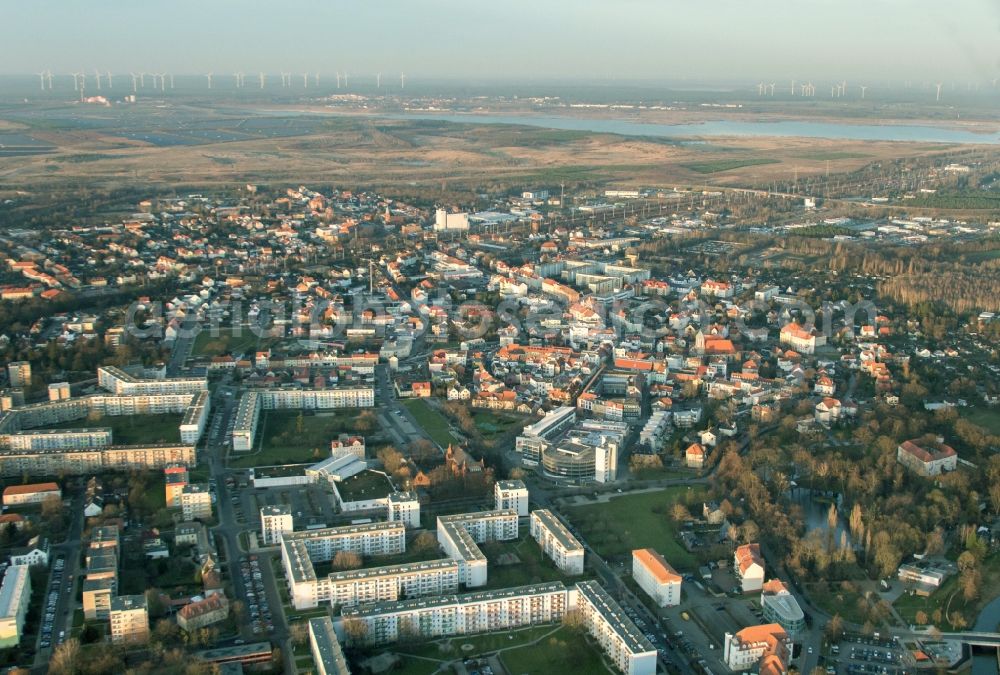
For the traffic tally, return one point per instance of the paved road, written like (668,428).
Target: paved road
(69,549)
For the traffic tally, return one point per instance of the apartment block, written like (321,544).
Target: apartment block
(117,381)
(196,501)
(52,439)
(620,639)
(451,615)
(655,576)
(245,425)
(459,535)
(749,567)
(404,507)
(175,478)
(556,541)
(15,592)
(275,520)
(316,399)
(328,657)
(765,648)
(35,493)
(59,391)
(19,373)
(511,494)
(77,461)
(195,418)
(129,619)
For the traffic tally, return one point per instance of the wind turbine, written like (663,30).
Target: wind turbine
(239,79)
(142,80)
(938,85)
(402,80)
(110,81)
(163,81)
(345,79)
(378,80)
(171,80)
(208,76)
(317,79)
(97,76)
(305,80)
(135,82)
(48,78)
(793,87)
(260,77)
(41,80)
(338,79)
(286,79)
(863,90)
(772,89)
(760,89)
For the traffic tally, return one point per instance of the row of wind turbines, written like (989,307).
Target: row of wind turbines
(160,80)
(837,90)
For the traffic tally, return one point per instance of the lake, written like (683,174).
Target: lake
(914,133)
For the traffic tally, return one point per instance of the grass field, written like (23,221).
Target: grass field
(987,419)
(565,651)
(133,429)
(240,340)
(616,527)
(534,567)
(833,599)
(282,442)
(491,424)
(431,420)
(727,165)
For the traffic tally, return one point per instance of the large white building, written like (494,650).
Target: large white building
(15,592)
(19,373)
(403,507)
(927,459)
(749,567)
(328,657)
(618,636)
(556,541)
(511,494)
(54,439)
(245,424)
(655,576)
(316,399)
(275,521)
(195,418)
(129,618)
(459,536)
(452,615)
(779,606)
(117,381)
(35,493)
(444,221)
(76,461)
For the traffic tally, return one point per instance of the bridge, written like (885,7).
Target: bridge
(974,639)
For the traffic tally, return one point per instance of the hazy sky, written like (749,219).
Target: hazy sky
(537,39)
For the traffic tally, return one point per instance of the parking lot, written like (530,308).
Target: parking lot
(258,608)
(51,611)
(859,655)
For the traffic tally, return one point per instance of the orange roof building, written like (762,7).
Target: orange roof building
(765,647)
(655,576)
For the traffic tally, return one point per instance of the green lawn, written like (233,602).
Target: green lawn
(987,419)
(431,420)
(534,568)
(132,429)
(565,651)
(491,424)
(727,164)
(483,643)
(833,599)
(617,527)
(241,340)
(281,441)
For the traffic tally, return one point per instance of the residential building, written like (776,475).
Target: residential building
(245,422)
(195,417)
(19,373)
(655,576)
(15,593)
(328,657)
(129,618)
(556,541)
(196,501)
(35,493)
(77,461)
(59,391)
(403,507)
(459,535)
(35,553)
(275,520)
(694,456)
(927,458)
(618,636)
(764,648)
(779,606)
(202,613)
(120,382)
(97,595)
(511,494)
(749,567)
(175,480)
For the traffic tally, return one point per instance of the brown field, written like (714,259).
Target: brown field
(354,150)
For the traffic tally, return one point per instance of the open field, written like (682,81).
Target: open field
(616,527)
(180,145)
(565,650)
(492,424)
(281,441)
(431,420)
(132,429)
(233,341)
(533,566)
(987,419)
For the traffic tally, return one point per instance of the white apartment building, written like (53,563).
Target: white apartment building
(452,615)
(76,461)
(15,592)
(403,507)
(195,418)
(388,583)
(129,618)
(317,399)
(117,381)
(35,493)
(444,221)
(459,535)
(245,425)
(749,567)
(621,639)
(511,494)
(328,657)
(275,521)
(196,501)
(556,541)
(655,576)
(53,439)
(59,391)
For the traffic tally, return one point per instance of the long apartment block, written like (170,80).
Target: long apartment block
(618,636)
(76,461)
(120,382)
(556,541)
(459,536)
